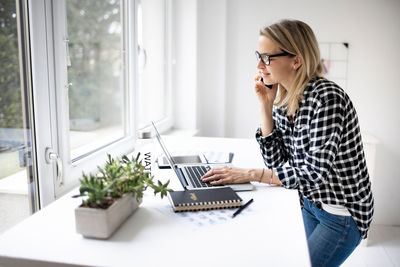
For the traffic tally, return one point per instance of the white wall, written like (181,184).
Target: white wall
(227,33)
(184,54)
(211,65)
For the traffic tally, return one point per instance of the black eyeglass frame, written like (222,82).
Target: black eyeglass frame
(266,59)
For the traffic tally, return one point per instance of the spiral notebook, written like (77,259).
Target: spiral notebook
(204,199)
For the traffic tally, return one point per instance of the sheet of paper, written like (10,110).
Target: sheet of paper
(218,156)
(203,219)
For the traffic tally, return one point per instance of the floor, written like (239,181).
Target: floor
(13,209)
(382,250)
(14,204)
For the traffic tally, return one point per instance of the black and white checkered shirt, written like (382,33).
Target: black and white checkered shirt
(324,151)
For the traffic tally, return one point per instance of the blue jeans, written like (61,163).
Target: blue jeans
(331,238)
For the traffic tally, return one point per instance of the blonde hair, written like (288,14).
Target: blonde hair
(296,38)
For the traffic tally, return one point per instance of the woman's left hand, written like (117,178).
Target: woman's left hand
(226,175)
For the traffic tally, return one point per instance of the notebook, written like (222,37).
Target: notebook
(193,200)
(190,175)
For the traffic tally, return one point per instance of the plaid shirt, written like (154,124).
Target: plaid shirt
(324,151)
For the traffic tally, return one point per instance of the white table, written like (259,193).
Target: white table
(269,232)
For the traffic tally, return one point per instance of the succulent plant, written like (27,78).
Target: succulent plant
(116,178)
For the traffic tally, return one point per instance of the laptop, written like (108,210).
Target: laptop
(190,174)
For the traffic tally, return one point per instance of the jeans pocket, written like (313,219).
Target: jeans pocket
(337,223)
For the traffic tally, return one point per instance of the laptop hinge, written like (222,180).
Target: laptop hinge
(181,177)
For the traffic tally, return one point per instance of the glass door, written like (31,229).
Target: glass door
(18,179)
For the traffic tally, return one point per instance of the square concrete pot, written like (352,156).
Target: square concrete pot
(101,223)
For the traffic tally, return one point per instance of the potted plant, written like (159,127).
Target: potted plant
(112,195)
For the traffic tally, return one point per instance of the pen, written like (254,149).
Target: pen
(242,208)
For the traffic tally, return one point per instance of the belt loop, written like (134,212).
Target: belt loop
(319,205)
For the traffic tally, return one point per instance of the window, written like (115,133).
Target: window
(84,73)
(94,85)
(89,99)
(18,198)
(95,64)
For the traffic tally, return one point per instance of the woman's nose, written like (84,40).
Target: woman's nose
(260,64)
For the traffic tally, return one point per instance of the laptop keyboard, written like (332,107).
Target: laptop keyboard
(195,173)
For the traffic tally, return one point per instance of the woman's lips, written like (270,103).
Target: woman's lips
(265,74)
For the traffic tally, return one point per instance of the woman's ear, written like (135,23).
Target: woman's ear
(297,63)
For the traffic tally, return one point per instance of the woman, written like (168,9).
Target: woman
(313,127)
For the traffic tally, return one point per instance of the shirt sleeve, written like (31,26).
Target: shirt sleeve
(272,147)
(325,132)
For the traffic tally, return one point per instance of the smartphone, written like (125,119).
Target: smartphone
(267,85)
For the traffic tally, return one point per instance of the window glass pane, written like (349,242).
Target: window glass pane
(96,94)
(15,145)
(152,95)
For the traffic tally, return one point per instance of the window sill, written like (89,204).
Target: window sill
(181,132)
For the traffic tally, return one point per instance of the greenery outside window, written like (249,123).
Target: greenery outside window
(95,63)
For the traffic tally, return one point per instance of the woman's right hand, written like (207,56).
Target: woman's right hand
(264,94)
(266,97)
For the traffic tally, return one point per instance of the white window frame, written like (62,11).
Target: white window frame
(42,81)
(167,122)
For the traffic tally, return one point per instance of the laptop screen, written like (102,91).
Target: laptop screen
(164,148)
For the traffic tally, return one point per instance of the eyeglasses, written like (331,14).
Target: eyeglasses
(266,59)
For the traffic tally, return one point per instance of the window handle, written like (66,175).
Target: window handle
(68,86)
(51,157)
(68,58)
(142,58)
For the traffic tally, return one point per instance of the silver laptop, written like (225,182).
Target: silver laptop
(190,174)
